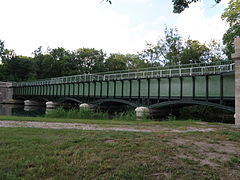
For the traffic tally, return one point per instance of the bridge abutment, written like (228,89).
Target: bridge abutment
(236,58)
(6,94)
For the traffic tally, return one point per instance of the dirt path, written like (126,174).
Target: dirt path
(81,126)
(51,125)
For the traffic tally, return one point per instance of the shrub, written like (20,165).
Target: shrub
(83,113)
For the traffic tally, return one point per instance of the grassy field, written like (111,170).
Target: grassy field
(31,153)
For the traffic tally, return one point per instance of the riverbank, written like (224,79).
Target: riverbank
(101,121)
(171,150)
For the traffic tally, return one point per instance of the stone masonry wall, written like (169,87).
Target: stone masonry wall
(236,58)
(6,93)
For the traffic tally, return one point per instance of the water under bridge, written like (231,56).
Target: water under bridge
(209,84)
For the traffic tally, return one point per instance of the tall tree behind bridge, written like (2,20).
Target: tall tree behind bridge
(232,16)
(172,49)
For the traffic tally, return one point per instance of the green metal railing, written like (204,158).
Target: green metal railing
(167,71)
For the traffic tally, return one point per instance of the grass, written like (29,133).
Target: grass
(30,153)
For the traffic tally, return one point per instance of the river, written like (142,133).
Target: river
(21,110)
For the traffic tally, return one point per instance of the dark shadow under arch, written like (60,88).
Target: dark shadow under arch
(61,100)
(100,101)
(20,98)
(168,103)
(39,98)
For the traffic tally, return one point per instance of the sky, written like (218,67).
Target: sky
(123,27)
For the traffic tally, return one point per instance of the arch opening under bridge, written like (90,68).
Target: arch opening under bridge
(192,102)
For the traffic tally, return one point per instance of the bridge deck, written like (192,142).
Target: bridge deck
(169,71)
(210,83)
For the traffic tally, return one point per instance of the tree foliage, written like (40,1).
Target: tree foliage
(172,49)
(232,16)
(167,49)
(62,62)
(178,5)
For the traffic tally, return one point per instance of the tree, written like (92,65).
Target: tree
(2,49)
(232,12)
(118,61)
(232,16)
(55,62)
(194,52)
(216,51)
(19,68)
(173,50)
(5,54)
(3,72)
(167,50)
(179,5)
(60,61)
(115,62)
(89,60)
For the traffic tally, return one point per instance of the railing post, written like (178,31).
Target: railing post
(236,58)
(231,67)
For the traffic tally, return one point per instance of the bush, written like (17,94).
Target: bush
(171,117)
(128,116)
(83,113)
(56,113)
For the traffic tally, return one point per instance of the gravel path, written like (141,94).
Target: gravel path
(96,127)
(52,125)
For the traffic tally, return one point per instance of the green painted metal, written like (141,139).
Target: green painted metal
(154,87)
(177,71)
(164,87)
(200,86)
(119,88)
(126,85)
(135,87)
(209,82)
(175,87)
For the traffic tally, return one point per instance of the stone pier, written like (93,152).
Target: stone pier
(236,58)
(86,106)
(32,103)
(142,112)
(6,93)
(52,105)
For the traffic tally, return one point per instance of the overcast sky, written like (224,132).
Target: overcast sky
(122,27)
